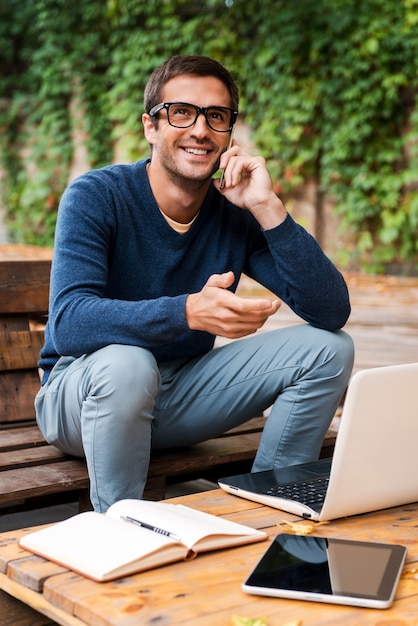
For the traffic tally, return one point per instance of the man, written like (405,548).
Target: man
(147,259)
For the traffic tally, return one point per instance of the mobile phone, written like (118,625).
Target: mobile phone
(338,571)
(222,181)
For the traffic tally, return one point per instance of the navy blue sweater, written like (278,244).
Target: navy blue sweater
(121,274)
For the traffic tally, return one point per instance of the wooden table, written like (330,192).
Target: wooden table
(206,591)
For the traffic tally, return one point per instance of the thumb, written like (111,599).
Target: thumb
(221,280)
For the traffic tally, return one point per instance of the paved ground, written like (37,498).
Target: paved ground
(383,321)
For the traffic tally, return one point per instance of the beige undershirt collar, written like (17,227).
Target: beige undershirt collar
(178,226)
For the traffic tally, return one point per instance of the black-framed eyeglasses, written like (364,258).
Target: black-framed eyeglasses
(183,115)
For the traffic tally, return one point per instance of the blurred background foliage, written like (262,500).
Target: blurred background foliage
(328,89)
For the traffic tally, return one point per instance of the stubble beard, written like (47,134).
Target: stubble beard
(182,178)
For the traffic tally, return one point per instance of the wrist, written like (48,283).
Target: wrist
(271,213)
(189,311)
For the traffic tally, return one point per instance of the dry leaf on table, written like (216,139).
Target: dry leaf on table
(237,620)
(301,528)
(248,621)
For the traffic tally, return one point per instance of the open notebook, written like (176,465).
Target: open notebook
(374,465)
(135,535)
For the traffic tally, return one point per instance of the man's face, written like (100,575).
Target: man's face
(191,153)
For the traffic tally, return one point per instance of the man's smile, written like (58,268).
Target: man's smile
(197,151)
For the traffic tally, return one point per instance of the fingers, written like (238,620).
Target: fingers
(257,308)
(217,310)
(245,178)
(245,318)
(234,150)
(231,168)
(242,305)
(247,184)
(223,281)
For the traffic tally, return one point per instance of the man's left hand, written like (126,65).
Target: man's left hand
(247,184)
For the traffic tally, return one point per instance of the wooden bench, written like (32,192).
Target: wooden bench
(32,471)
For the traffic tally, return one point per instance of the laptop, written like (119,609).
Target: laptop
(374,464)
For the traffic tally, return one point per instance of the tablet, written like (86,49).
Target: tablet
(339,571)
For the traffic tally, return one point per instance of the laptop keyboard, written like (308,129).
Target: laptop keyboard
(307,492)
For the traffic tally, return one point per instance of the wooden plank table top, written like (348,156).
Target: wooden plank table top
(207,591)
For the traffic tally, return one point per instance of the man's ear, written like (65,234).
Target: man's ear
(149,128)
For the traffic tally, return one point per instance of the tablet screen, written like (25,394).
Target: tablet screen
(329,570)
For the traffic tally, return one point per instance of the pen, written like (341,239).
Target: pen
(154,529)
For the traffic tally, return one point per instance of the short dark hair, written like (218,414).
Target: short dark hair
(198,65)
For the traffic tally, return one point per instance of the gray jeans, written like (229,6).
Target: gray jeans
(113,406)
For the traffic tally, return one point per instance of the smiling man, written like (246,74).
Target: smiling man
(146,263)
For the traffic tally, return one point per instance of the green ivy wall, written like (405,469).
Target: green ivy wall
(328,88)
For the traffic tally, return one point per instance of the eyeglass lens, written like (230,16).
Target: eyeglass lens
(183,115)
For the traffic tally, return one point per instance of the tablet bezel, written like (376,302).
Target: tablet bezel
(381,600)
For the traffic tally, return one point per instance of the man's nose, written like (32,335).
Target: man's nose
(200,127)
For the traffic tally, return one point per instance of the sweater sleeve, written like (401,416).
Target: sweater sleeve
(303,276)
(85,312)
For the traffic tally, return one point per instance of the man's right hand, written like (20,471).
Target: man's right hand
(218,311)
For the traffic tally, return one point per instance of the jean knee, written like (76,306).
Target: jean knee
(339,351)
(332,351)
(343,345)
(123,369)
